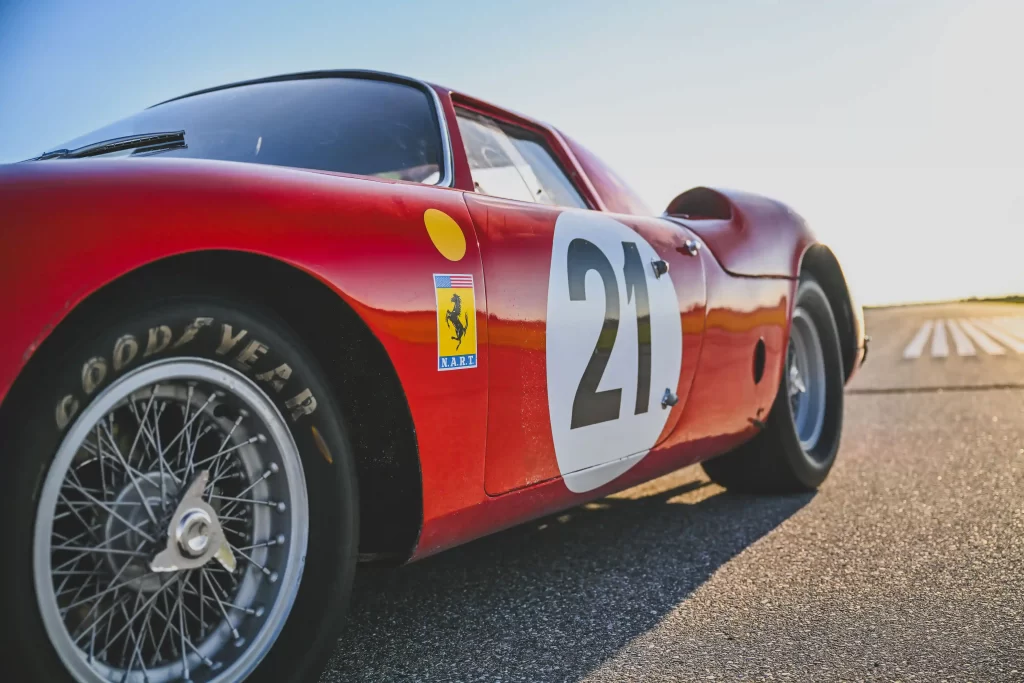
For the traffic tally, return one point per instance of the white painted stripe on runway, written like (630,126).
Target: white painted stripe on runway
(940,347)
(1004,338)
(964,347)
(916,345)
(1014,326)
(987,345)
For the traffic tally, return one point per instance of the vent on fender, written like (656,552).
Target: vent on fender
(701,203)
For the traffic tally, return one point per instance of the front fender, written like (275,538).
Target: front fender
(72,227)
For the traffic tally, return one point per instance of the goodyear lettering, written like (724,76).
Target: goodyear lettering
(276,377)
(227,342)
(250,354)
(125,350)
(93,373)
(302,404)
(159,339)
(191,330)
(67,408)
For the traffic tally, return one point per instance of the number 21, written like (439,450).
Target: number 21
(591,406)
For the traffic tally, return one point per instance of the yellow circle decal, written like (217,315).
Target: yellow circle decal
(445,233)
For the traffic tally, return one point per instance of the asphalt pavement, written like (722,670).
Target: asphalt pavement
(907,564)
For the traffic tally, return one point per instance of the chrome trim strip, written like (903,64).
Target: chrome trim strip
(446,179)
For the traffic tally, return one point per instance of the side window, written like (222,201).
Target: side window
(514,163)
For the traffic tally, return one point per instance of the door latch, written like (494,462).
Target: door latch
(691,247)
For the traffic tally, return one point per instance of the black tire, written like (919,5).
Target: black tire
(774,460)
(31,439)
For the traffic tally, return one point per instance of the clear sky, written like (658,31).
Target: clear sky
(896,127)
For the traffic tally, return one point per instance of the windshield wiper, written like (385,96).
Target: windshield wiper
(142,142)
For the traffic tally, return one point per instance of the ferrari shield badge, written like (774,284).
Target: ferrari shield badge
(456,322)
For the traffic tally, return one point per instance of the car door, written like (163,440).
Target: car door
(593,318)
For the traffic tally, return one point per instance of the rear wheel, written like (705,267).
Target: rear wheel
(188,499)
(798,445)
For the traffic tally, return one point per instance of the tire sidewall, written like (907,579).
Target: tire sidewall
(72,369)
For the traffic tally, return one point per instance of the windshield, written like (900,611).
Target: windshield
(351,125)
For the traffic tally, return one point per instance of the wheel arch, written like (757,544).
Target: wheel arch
(366,386)
(818,260)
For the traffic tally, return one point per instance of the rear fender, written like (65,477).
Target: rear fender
(754,236)
(748,234)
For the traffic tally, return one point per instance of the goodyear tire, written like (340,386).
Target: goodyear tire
(798,445)
(185,499)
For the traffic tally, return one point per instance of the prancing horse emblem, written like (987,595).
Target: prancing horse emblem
(452,318)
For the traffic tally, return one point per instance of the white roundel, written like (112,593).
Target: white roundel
(614,344)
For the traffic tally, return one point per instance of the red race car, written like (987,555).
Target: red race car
(258,333)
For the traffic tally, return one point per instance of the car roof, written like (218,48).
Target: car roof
(303,75)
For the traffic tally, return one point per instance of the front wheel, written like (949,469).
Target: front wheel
(193,498)
(798,445)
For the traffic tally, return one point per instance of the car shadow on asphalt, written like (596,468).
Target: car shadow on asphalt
(552,599)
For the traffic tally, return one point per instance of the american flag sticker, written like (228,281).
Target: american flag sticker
(456,322)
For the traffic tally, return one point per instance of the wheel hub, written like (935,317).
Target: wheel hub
(193,532)
(130,529)
(805,375)
(195,535)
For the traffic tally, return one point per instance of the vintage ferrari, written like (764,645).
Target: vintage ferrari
(257,334)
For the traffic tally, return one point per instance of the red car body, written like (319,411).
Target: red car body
(484,455)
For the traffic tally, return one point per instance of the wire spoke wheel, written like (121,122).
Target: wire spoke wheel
(171,528)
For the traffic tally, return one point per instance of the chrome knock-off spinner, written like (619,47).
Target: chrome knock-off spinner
(195,535)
